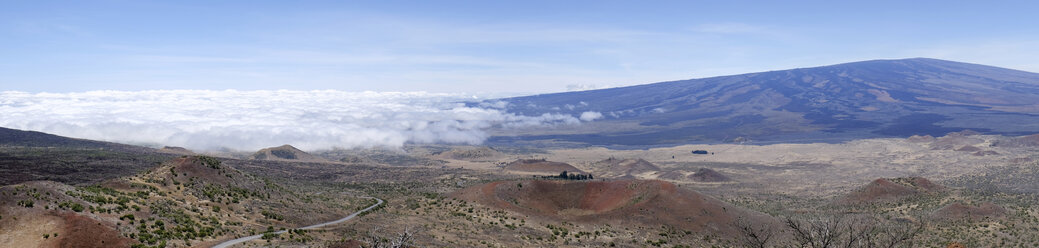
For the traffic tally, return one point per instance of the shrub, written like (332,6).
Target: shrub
(26,203)
(210,161)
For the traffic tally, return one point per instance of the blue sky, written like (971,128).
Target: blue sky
(480,46)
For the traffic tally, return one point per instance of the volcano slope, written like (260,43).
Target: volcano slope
(619,202)
(34,156)
(191,200)
(877,98)
(891,189)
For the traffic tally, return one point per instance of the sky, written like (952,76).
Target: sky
(485,47)
(243,75)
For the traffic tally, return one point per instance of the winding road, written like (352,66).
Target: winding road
(229,243)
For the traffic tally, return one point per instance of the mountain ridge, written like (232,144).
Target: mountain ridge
(866,99)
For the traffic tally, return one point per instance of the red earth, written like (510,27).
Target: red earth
(884,189)
(961,211)
(648,202)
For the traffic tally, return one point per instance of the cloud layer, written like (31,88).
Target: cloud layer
(251,120)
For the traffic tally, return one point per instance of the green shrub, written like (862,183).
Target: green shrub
(26,203)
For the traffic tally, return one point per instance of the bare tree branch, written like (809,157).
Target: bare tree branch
(756,237)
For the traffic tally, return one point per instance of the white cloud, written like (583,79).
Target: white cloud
(250,120)
(590,116)
(584,87)
(738,28)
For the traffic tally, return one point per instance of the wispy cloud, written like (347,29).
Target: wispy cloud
(186,59)
(584,87)
(737,28)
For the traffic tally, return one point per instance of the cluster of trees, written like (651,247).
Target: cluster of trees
(838,231)
(569,176)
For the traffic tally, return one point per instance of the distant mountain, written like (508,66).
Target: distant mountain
(30,156)
(878,98)
(14,137)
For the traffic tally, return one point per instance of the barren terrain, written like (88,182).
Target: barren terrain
(446,196)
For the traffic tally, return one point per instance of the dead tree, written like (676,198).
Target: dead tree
(850,232)
(402,240)
(754,236)
(822,233)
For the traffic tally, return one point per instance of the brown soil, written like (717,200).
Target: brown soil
(884,190)
(961,211)
(26,226)
(709,176)
(541,166)
(649,202)
(82,231)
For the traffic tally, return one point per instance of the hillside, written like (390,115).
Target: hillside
(14,137)
(877,98)
(188,201)
(33,156)
(958,211)
(46,214)
(286,153)
(708,175)
(647,202)
(541,166)
(891,189)
(613,167)
(470,154)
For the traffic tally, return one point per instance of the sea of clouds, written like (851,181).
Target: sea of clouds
(250,120)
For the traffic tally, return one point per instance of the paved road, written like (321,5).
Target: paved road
(229,243)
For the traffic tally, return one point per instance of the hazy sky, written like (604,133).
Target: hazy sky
(480,46)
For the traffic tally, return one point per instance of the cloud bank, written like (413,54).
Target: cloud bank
(251,120)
